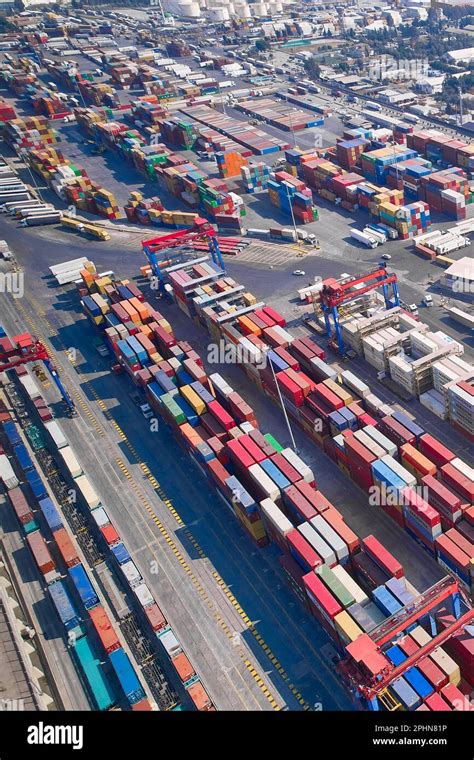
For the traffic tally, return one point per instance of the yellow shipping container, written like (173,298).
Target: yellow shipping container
(249,299)
(336,388)
(101,302)
(346,627)
(193,399)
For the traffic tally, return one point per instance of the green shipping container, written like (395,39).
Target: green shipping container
(335,586)
(90,665)
(273,441)
(173,409)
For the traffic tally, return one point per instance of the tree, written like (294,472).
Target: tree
(312,68)
(262,45)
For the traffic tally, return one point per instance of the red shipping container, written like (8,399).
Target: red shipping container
(289,389)
(269,322)
(321,597)
(436,703)
(459,558)
(240,409)
(435,450)
(414,502)
(66,547)
(441,498)
(110,534)
(302,551)
(456,698)
(220,414)
(287,357)
(382,557)
(329,398)
(240,455)
(20,505)
(183,667)
(218,473)
(396,432)
(296,502)
(155,617)
(464,544)
(40,552)
(458,481)
(251,447)
(286,468)
(315,497)
(104,629)
(280,321)
(262,442)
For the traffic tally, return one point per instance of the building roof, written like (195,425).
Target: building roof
(466,54)
(464,268)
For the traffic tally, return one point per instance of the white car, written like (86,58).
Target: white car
(386,256)
(299,272)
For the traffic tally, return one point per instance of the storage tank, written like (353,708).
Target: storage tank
(242,10)
(217,14)
(258,9)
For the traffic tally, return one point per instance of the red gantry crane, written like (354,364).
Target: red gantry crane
(334,293)
(202,230)
(25,349)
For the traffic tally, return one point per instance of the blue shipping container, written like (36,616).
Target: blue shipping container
(37,485)
(64,606)
(84,587)
(120,553)
(12,433)
(407,696)
(126,675)
(407,423)
(51,514)
(24,459)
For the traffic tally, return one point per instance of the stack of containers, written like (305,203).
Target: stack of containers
(375,163)
(290,194)
(230,163)
(255,177)
(348,152)
(461,407)
(447,191)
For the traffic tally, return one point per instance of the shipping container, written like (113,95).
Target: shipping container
(104,629)
(101,690)
(63,604)
(40,552)
(83,586)
(66,547)
(382,557)
(126,676)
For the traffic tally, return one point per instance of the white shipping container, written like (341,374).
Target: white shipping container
(30,387)
(7,476)
(399,470)
(463,468)
(354,383)
(56,433)
(276,517)
(67,266)
(143,594)
(70,461)
(349,583)
(170,643)
(220,384)
(100,516)
(319,545)
(369,443)
(298,464)
(332,538)
(90,496)
(381,439)
(260,477)
(131,573)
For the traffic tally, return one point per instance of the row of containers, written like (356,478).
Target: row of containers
(173,172)
(350,585)
(43,526)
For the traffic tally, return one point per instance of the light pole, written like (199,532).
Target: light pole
(291,127)
(285,413)
(291,212)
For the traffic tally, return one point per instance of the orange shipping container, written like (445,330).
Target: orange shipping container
(66,547)
(417,463)
(183,667)
(132,313)
(141,308)
(247,326)
(104,628)
(200,697)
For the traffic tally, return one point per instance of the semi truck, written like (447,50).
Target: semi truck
(363,237)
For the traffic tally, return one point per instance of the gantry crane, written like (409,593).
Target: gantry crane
(202,230)
(30,349)
(376,688)
(334,293)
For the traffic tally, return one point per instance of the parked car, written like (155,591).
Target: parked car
(299,272)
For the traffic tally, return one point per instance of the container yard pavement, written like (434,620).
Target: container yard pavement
(234,680)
